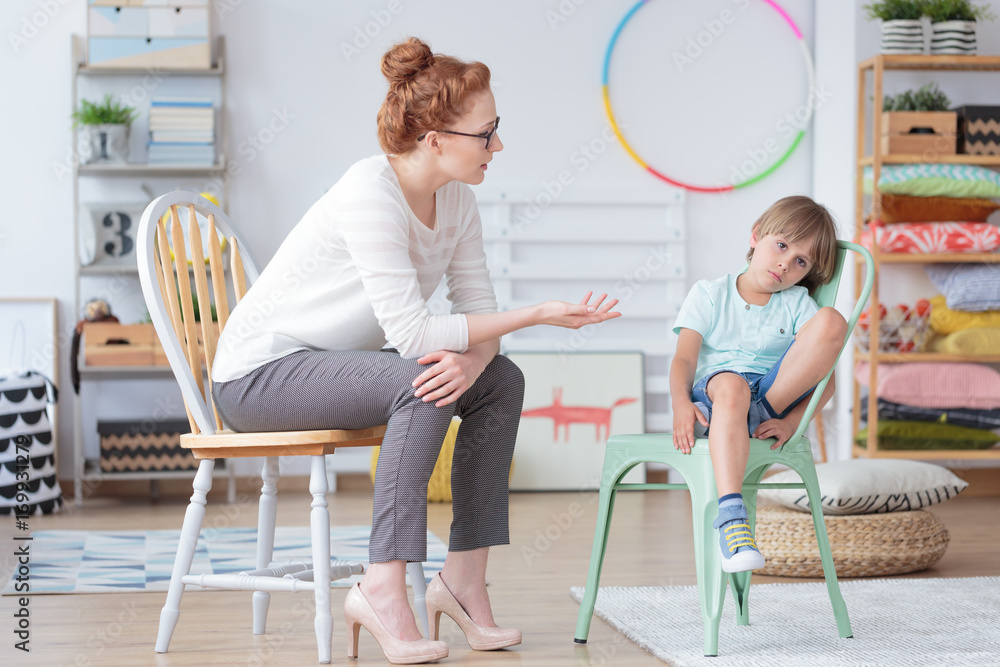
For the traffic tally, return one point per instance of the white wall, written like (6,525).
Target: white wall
(699,122)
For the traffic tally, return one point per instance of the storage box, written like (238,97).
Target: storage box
(979,130)
(919,132)
(113,344)
(140,446)
(170,34)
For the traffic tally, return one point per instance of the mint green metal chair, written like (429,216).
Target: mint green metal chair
(624,452)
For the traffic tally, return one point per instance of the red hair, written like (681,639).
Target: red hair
(427,92)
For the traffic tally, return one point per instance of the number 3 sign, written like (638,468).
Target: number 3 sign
(107,233)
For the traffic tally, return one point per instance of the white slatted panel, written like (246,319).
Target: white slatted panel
(632,247)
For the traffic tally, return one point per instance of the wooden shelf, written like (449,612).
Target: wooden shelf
(869,103)
(128,169)
(930,454)
(910,357)
(953,63)
(951,258)
(902,158)
(92,471)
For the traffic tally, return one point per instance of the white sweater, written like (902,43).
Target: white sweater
(356,273)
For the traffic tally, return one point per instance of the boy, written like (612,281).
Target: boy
(750,348)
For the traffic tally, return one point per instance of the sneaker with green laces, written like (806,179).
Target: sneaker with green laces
(739,551)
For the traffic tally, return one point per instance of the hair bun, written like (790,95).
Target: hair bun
(406,59)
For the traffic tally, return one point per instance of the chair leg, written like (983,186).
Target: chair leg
(808,475)
(319,519)
(266,518)
(708,565)
(415,571)
(193,518)
(606,507)
(739,582)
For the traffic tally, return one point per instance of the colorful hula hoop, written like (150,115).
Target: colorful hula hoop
(699,188)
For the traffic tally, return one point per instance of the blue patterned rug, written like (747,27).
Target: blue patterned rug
(115,561)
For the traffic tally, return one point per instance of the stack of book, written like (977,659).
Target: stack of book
(182,131)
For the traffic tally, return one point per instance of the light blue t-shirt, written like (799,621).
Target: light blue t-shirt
(736,335)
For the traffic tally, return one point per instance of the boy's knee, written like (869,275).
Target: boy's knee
(826,326)
(832,324)
(729,389)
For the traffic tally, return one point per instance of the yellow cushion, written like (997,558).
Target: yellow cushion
(944,320)
(439,486)
(972,342)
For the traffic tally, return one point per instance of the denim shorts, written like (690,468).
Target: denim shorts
(760,410)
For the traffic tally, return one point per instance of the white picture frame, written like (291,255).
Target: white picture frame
(29,336)
(572,404)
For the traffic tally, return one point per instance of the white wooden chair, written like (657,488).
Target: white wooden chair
(167,291)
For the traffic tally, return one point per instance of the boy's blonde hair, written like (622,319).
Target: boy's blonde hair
(797,219)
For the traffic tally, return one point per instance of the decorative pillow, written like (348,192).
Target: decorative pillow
(986,419)
(936,384)
(928,435)
(936,180)
(919,238)
(969,342)
(944,320)
(900,208)
(972,287)
(870,486)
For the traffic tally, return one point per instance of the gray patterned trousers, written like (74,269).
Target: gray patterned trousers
(353,390)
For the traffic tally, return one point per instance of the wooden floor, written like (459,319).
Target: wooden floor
(551,538)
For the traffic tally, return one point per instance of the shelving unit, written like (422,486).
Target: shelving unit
(878,65)
(87,471)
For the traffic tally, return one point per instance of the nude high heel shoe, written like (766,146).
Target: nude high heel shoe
(440,600)
(358,612)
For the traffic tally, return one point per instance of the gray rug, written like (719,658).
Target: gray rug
(896,623)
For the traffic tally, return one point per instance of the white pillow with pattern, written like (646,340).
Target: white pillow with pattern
(869,486)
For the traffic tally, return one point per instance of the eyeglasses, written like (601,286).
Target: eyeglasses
(488,136)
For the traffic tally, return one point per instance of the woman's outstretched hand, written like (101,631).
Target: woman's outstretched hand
(576,315)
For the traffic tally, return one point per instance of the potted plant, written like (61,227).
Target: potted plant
(918,122)
(953,25)
(902,25)
(106,126)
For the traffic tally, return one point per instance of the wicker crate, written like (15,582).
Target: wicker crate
(130,446)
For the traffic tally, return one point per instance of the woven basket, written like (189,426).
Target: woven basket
(864,545)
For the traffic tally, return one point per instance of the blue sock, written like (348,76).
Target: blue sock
(731,500)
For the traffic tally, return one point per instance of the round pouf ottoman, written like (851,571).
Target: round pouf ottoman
(863,545)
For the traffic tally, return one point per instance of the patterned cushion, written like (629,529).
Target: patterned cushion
(969,342)
(928,435)
(944,320)
(987,419)
(901,208)
(935,384)
(919,238)
(870,486)
(936,180)
(973,287)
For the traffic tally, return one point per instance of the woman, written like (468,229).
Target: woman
(303,350)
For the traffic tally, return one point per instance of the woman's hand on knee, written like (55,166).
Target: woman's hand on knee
(450,376)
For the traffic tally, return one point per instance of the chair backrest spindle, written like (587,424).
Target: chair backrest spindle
(166,286)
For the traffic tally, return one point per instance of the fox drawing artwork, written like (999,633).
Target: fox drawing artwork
(564,415)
